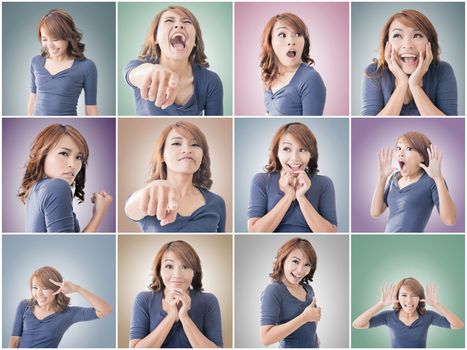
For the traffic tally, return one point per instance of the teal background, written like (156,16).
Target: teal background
(96,21)
(377,260)
(368,19)
(215,20)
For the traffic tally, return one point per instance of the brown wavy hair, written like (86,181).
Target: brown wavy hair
(295,243)
(189,256)
(60,25)
(414,19)
(42,277)
(45,141)
(268,59)
(304,136)
(151,51)
(202,177)
(419,142)
(415,287)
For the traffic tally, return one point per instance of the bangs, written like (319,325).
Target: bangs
(294,23)
(54,28)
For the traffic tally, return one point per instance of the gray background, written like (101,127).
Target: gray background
(254,256)
(252,140)
(96,21)
(85,260)
(368,19)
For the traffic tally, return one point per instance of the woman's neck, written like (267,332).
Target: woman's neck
(45,308)
(293,287)
(413,177)
(60,59)
(287,70)
(181,67)
(183,182)
(408,316)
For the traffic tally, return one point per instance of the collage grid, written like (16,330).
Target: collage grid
(115,263)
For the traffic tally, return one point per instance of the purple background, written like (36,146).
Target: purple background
(369,135)
(327,24)
(18,135)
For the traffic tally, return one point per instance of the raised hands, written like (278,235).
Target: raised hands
(65,287)
(387,294)
(434,167)
(431,297)
(385,162)
(312,313)
(424,60)
(177,302)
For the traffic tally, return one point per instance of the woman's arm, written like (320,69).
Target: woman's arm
(432,300)
(159,198)
(271,334)
(315,221)
(447,207)
(100,305)
(214,96)
(91,110)
(31,103)
(385,170)
(314,95)
(363,321)
(14,342)
(101,201)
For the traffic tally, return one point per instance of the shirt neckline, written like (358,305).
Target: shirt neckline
(60,72)
(300,67)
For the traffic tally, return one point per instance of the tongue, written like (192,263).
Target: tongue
(178,43)
(410,60)
(291,54)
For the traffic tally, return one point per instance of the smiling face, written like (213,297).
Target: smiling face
(296,266)
(42,295)
(408,299)
(176,35)
(64,160)
(287,45)
(292,155)
(175,272)
(56,48)
(182,153)
(408,42)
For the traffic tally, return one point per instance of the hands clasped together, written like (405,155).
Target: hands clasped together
(176,302)
(295,183)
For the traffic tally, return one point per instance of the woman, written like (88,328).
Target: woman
(170,76)
(176,313)
(61,71)
(415,188)
(55,174)
(289,314)
(177,197)
(408,78)
(408,321)
(42,320)
(291,196)
(291,85)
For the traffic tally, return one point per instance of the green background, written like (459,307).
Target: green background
(215,20)
(435,258)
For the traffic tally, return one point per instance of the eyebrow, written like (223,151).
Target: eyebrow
(69,150)
(173,17)
(287,142)
(282,28)
(168,260)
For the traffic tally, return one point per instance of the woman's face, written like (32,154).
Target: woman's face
(287,45)
(408,300)
(296,266)
(64,161)
(175,273)
(408,159)
(408,42)
(176,35)
(292,155)
(182,153)
(55,48)
(43,296)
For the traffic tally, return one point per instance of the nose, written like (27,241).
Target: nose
(73,163)
(187,149)
(407,43)
(178,25)
(291,42)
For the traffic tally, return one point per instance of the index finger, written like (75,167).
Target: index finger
(173,200)
(170,91)
(55,282)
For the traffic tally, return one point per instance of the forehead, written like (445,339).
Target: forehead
(403,141)
(288,138)
(175,13)
(398,25)
(406,290)
(170,255)
(280,25)
(66,141)
(297,253)
(179,132)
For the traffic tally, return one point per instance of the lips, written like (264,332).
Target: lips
(294,167)
(178,41)
(408,58)
(69,174)
(186,158)
(295,277)
(291,53)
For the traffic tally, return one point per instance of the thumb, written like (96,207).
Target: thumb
(423,166)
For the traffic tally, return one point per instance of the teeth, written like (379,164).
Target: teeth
(408,55)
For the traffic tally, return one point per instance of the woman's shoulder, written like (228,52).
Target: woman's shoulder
(265,177)
(206,74)
(204,297)
(38,59)
(54,185)
(442,68)
(24,305)
(321,179)
(274,288)
(307,70)
(147,296)
(211,196)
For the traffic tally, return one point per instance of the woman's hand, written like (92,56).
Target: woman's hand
(101,201)
(160,198)
(312,313)
(66,287)
(431,295)
(424,61)
(387,294)
(302,185)
(287,183)
(435,157)
(170,303)
(186,304)
(391,57)
(385,162)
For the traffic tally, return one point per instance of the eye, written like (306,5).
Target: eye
(187,21)
(195,145)
(298,34)
(303,150)
(80,157)
(418,35)
(295,261)
(398,148)
(396,36)
(63,153)
(409,148)
(175,143)
(308,265)
(281,35)
(169,266)
(186,267)
(168,20)
(287,149)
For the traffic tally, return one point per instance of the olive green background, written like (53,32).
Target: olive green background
(377,260)
(215,20)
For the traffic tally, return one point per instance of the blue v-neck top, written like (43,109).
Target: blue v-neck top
(58,94)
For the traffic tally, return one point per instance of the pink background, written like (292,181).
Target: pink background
(327,24)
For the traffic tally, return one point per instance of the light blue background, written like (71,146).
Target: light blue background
(252,140)
(368,19)
(85,260)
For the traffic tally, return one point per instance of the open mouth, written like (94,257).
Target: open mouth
(294,167)
(291,53)
(70,174)
(409,59)
(402,165)
(295,277)
(178,41)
